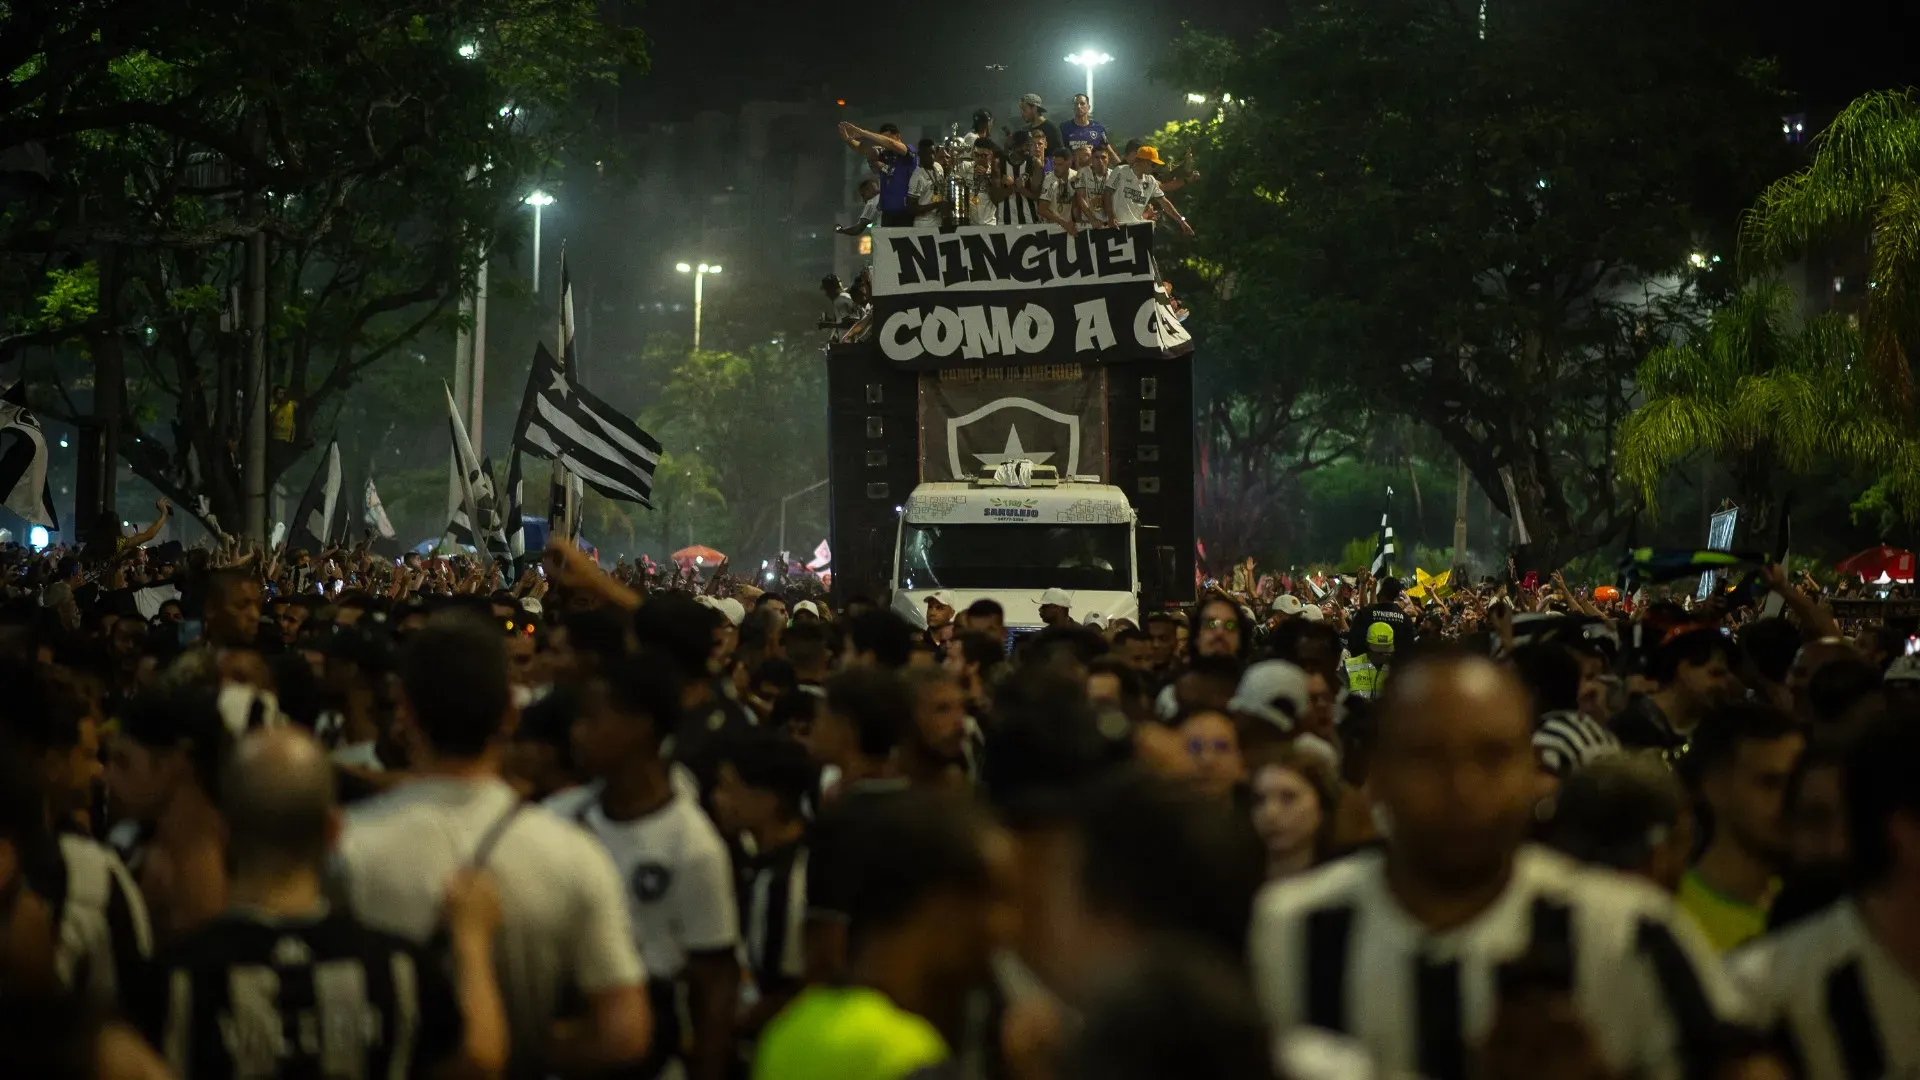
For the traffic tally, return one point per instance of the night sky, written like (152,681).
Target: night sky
(861,52)
(893,55)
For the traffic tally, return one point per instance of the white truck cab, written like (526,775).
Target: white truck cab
(1011,537)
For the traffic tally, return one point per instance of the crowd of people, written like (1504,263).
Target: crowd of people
(1069,174)
(271,815)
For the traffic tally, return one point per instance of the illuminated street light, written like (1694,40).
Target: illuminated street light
(1089,59)
(699,282)
(469,51)
(539,200)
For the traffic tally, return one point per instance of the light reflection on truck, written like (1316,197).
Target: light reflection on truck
(1016,556)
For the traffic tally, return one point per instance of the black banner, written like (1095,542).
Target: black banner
(1021,294)
(972,419)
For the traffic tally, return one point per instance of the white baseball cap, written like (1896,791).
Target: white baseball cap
(943,596)
(734,610)
(1288,604)
(1312,613)
(1274,691)
(807,606)
(1056,598)
(1095,620)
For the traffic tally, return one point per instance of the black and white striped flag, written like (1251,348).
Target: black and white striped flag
(596,442)
(23,461)
(516,526)
(312,524)
(563,494)
(1383,550)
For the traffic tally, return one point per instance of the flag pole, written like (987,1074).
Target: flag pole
(569,365)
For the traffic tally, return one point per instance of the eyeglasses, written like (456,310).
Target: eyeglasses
(1221,624)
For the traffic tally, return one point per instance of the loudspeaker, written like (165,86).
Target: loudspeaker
(873,457)
(1150,453)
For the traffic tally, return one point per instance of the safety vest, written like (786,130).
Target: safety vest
(1363,678)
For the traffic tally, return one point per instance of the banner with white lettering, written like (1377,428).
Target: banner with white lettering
(1019,293)
(973,419)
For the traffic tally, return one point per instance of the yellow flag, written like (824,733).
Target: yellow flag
(1431,586)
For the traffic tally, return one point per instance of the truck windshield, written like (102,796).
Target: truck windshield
(1016,557)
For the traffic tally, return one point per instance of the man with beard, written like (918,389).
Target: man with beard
(934,753)
(1738,766)
(1412,950)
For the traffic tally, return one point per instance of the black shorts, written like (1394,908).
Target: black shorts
(896,219)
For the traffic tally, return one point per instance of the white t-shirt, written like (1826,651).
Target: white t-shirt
(563,909)
(1093,186)
(679,878)
(1132,193)
(1057,192)
(981,209)
(870,213)
(923,187)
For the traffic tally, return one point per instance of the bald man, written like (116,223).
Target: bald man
(1460,939)
(281,985)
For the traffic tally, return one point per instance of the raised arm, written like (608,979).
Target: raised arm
(153,530)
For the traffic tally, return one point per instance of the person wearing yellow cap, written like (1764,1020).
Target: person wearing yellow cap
(1367,671)
(1130,190)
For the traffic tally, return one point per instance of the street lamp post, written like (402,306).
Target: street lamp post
(539,200)
(1089,59)
(699,273)
(785,499)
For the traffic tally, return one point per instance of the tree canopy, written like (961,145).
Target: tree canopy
(381,147)
(1483,227)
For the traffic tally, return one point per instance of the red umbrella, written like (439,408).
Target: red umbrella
(701,553)
(1870,564)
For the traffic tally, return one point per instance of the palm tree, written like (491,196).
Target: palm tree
(1762,392)
(1863,180)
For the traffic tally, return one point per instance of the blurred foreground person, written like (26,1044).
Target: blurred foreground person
(1626,813)
(1404,949)
(46,1031)
(1739,764)
(224,1001)
(1843,986)
(931,898)
(564,933)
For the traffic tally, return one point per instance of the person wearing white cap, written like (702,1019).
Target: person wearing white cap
(1274,691)
(939,609)
(1096,621)
(806,611)
(1288,606)
(1055,607)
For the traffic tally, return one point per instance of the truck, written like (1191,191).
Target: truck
(964,460)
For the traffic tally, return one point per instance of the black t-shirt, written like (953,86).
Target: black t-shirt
(832,862)
(1391,614)
(1017,145)
(703,732)
(249,996)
